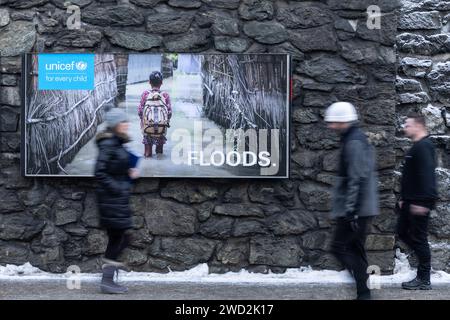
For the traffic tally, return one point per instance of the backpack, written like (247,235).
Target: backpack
(155,115)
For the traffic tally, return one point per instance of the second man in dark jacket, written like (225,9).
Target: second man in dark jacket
(417,199)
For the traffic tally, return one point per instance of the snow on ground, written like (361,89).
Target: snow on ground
(199,274)
(440,245)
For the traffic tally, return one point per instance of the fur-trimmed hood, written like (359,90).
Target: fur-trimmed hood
(108,134)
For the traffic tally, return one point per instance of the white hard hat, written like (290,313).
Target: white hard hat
(341,112)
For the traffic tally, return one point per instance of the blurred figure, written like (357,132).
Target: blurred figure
(355,196)
(417,198)
(114,177)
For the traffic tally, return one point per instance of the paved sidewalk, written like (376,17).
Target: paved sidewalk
(57,289)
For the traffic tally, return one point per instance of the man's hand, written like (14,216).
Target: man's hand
(418,210)
(352,220)
(399,206)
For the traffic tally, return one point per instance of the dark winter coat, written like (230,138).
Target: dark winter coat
(418,184)
(114,184)
(355,191)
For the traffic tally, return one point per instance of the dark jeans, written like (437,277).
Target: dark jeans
(348,247)
(117,240)
(413,230)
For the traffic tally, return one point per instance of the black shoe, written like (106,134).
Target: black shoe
(364,296)
(416,284)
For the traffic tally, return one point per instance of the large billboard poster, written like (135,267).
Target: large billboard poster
(229,113)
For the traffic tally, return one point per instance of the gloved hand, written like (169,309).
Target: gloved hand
(398,207)
(352,220)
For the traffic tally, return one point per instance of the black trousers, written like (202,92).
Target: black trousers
(413,230)
(118,239)
(348,248)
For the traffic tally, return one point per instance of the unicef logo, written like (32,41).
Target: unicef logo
(66,71)
(81,65)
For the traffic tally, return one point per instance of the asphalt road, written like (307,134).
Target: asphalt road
(57,290)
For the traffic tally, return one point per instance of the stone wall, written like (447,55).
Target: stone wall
(423,85)
(259,225)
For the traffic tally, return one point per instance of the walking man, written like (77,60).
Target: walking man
(417,198)
(355,197)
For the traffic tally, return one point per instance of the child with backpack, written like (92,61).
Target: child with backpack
(155,111)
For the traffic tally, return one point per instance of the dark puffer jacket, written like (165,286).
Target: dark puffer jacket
(114,184)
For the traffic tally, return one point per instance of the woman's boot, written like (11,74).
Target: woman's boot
(108,285)
(120,265)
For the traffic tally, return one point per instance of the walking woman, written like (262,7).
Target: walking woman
(114,177)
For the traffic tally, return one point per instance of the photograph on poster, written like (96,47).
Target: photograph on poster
(190,115)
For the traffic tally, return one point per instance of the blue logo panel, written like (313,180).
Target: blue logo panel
(66,71)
